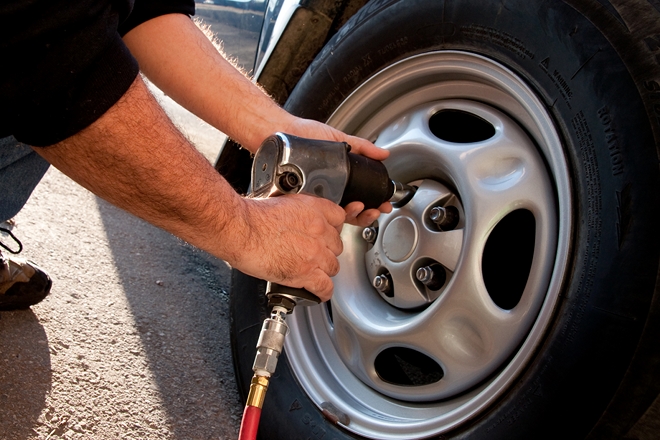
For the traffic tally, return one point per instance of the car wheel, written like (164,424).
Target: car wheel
(531,126)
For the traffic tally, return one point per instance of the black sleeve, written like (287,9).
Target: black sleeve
(64,65)
(145,10)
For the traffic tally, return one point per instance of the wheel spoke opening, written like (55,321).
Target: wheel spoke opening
(460,127)
(328,307)
(507,258)
(407,367)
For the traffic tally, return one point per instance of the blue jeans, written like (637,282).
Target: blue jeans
(20,171)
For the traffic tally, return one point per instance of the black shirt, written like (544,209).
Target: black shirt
(64,64)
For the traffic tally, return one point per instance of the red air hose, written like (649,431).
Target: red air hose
(252,411)
(250,423)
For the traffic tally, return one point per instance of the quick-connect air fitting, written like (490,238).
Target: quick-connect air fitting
(258,388)
(271,342)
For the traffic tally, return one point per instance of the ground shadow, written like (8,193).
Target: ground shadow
(25,373)
(178,297)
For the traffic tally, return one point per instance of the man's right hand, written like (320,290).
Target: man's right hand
(292,240)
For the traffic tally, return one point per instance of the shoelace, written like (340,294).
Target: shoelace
(7,248)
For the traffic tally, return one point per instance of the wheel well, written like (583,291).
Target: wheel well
(311,26)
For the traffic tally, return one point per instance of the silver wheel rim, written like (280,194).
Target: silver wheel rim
(480,347)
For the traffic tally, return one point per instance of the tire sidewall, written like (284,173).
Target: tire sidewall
(600,111)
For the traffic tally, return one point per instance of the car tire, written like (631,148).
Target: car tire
(581,81)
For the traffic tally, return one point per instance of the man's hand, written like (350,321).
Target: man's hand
(292,240)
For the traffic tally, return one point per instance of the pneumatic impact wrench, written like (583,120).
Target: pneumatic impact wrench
(286,164)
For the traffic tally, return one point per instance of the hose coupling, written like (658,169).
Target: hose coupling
(258,388)
(271,342)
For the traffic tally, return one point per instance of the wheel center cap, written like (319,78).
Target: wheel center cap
(400,239)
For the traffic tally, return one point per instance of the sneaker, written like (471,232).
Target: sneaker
(22,283)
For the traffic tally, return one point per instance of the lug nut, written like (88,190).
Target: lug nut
(383,284)
(425,274)
(432,276)
(446,218)
(369,234)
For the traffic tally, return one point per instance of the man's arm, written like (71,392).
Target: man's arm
(178,58)
(136,159)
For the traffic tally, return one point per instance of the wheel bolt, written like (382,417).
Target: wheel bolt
(432,276)
(446,218)
(369,234)
(383,284)
(424,274)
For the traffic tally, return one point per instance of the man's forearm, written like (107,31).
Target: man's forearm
(176,56)
(136,159)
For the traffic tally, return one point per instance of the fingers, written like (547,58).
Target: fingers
(331,265)
(366,148)
(320,285)
(367,217)
(353,209)
(315,265)
(334,243)
(333,213)
(318,281)
(357,217)
(316,130)
(385,208)
(331,228)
